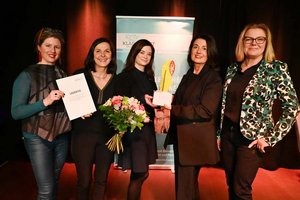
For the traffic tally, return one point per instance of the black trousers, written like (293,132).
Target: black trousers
(240,162)
(186,179)
(88,152)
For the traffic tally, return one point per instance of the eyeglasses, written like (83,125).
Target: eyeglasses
(258,40)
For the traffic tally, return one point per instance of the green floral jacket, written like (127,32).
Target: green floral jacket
(271,81)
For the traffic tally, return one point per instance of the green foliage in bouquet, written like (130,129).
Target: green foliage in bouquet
(123,113)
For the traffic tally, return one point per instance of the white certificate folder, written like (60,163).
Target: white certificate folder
(161,98)
(78,99)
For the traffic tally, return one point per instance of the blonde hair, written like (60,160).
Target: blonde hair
(269,54)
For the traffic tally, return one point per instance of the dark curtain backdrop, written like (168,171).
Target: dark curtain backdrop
(82,21)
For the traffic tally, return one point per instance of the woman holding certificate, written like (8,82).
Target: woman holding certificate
(91,132)
(193,115)
(137,80)
(37,102)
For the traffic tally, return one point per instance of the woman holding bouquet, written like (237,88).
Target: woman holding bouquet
(193,117)
(91,132)
(137,80)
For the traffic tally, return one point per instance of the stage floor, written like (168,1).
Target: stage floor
(17,183)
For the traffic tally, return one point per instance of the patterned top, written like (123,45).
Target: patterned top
(271,81)
(29,89)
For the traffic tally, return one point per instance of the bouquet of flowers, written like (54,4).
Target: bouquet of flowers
(123,113)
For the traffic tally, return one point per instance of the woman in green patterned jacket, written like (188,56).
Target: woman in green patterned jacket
(247,126)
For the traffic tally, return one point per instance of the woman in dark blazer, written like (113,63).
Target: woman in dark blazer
(193,116)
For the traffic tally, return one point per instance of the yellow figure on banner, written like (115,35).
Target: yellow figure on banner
(162,116)
(167,71)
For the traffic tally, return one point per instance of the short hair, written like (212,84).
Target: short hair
(89,62)
(269,54)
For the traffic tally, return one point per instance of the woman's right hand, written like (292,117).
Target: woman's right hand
(53,96)
(148,99)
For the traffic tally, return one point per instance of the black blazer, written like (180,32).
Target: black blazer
(193,117)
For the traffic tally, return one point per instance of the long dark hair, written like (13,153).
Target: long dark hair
(212,51)
(45,33)
(89,62)
(135,49)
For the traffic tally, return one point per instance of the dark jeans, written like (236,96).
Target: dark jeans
(240,163)
(87,150)
(47,160)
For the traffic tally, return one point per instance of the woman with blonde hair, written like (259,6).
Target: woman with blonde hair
(252,83)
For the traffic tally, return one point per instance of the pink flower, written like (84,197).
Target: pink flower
(124,114)
(116,101)
(141,107)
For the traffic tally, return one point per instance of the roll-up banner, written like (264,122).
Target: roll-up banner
(170,37)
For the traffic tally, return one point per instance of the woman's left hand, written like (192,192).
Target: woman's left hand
(260,144)
(86,115)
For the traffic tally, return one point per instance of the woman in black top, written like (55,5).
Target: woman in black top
(137,80)
(91,132)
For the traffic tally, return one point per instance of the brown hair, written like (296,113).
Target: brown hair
(212,51)
(45,33)
(135,49)
(89,61)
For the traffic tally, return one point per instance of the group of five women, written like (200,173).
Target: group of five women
(244,99)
